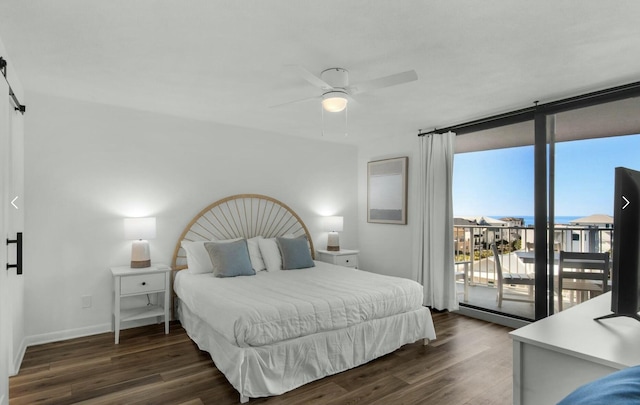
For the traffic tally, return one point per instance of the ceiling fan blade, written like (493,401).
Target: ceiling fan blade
(311,78)
(386,81)
(302,100)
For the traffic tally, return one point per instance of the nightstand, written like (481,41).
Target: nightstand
(343,257)
(129,282)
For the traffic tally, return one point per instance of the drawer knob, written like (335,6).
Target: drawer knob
(347,260)
(144,283)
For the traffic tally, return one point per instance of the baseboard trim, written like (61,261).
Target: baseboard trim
(67,334)
(17,361)
(81,332)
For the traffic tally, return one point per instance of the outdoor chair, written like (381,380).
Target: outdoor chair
(583,272)
(507,279)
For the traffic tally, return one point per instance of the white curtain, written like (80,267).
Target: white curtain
(435,261)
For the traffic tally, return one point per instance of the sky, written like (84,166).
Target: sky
(499,182)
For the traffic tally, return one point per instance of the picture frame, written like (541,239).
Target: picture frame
(387,191)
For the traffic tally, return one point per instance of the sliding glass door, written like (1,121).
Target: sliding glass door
(531,184)
(493,196)
(589,143)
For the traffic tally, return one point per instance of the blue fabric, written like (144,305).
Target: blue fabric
(230,259)
(295,253)
(619,388)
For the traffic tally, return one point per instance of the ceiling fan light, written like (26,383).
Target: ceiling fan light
(334,102)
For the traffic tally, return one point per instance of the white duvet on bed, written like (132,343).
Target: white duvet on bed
(275,306)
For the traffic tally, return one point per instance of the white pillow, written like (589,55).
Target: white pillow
(254,254)
(270,254)
(198,259)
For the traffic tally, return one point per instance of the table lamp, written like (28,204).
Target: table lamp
(140,230)
(334,225)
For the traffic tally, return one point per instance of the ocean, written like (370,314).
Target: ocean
(528,219)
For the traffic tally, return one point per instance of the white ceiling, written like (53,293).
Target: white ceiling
(225,61)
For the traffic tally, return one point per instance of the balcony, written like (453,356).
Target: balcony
(516,246)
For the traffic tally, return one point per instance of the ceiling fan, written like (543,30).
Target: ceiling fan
(336,90)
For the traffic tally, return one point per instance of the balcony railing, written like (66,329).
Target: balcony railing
(473,247)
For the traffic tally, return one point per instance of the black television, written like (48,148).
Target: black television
(625,277)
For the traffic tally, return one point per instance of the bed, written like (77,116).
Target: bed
(270,330)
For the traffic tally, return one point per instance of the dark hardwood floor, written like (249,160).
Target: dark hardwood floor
(469,363)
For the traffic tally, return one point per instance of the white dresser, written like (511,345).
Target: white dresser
(343,257)
(556,355)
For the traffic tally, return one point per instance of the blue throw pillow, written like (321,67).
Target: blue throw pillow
(230,259)
(295,253)
(619,388)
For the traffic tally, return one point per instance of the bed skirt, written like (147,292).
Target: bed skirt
(276,368)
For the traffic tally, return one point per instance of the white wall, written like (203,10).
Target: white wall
(88,166)
(386,248)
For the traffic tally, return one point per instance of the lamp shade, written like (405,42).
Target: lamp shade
(334,224)
(140,228)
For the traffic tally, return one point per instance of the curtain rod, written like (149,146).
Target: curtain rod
(526,114)
(512,117)
(3,68)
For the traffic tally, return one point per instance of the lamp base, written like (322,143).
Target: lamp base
(140,264)
(140,254)
(333,242)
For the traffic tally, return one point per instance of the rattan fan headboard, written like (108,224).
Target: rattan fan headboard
(242,215)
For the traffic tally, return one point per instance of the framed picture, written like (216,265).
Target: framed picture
(387,191)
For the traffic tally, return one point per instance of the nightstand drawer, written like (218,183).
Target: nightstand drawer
(347,260)
(142,283)
(343,257)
